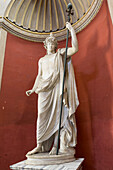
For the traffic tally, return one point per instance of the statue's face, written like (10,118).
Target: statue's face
(50,47)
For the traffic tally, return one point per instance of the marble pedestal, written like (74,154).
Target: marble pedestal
(75,165)
(47,159)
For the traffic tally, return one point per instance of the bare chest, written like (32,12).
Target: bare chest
(48,65)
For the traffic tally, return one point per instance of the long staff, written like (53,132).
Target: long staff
(69,9)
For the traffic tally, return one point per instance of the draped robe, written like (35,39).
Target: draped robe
(49,90)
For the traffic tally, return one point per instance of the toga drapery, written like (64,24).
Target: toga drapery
(49,92)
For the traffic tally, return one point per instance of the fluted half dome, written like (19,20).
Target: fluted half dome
(44,16)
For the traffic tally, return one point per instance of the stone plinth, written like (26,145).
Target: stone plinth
(75,165)
(47,159)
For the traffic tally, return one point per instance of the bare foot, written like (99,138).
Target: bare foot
(53,151)
(35,150)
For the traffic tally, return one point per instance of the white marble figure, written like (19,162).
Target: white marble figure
(48,86)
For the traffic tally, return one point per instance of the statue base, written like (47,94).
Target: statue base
(75,165)
(46,159)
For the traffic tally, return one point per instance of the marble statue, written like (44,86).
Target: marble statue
(48,86)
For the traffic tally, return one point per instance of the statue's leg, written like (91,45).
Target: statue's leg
(54,148)
(63,141)
(36,150)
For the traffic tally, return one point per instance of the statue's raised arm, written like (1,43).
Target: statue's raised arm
(74,42)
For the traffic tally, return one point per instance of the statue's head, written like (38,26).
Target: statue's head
(50,41)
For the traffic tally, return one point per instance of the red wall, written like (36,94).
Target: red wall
(93,66)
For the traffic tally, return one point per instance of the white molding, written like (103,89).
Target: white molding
(3,37)
(110,5)
(3,6)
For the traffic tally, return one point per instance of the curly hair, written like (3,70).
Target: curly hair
(50,39)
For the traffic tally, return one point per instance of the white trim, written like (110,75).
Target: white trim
(3,37)
(110,5)
(3,6)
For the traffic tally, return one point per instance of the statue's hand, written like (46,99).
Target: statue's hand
(29,92)
(68,26)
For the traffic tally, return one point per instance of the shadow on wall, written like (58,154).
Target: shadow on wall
(95,93)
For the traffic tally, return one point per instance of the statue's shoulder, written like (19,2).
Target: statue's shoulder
(61,51)
(41,59)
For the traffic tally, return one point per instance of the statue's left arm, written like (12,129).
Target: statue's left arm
(29,92)
(74,42)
